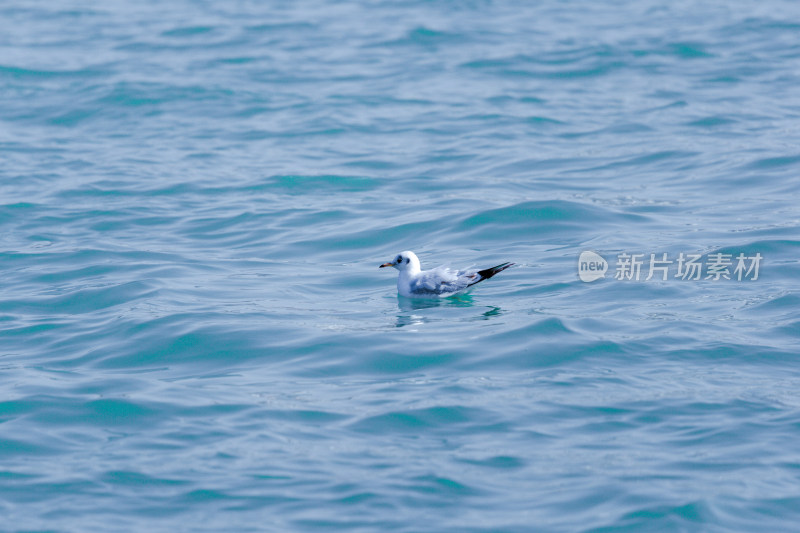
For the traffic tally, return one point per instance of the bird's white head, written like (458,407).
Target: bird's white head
(404,262)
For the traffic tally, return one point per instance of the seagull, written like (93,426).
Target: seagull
(440,282)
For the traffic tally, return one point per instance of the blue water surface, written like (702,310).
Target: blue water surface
(195,197)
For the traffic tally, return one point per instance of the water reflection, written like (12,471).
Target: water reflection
(414,304)
(491,313)
(409,317)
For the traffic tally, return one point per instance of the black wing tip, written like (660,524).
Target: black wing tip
(489,272)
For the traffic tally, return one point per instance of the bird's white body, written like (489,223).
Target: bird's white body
(440,282)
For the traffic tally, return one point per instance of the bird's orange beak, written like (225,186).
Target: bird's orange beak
(386,265)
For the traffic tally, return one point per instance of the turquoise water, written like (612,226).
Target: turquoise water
(194,200)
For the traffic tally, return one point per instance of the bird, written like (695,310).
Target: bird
(439,282)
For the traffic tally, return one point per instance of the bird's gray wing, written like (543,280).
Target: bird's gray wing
(441,281)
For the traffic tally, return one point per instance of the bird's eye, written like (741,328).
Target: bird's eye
(407,260)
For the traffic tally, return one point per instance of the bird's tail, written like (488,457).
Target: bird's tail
(489,272)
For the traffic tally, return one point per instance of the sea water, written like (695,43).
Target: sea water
(195,197)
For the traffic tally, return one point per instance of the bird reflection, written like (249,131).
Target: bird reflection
(409,316)
(414,304)
(491,313)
